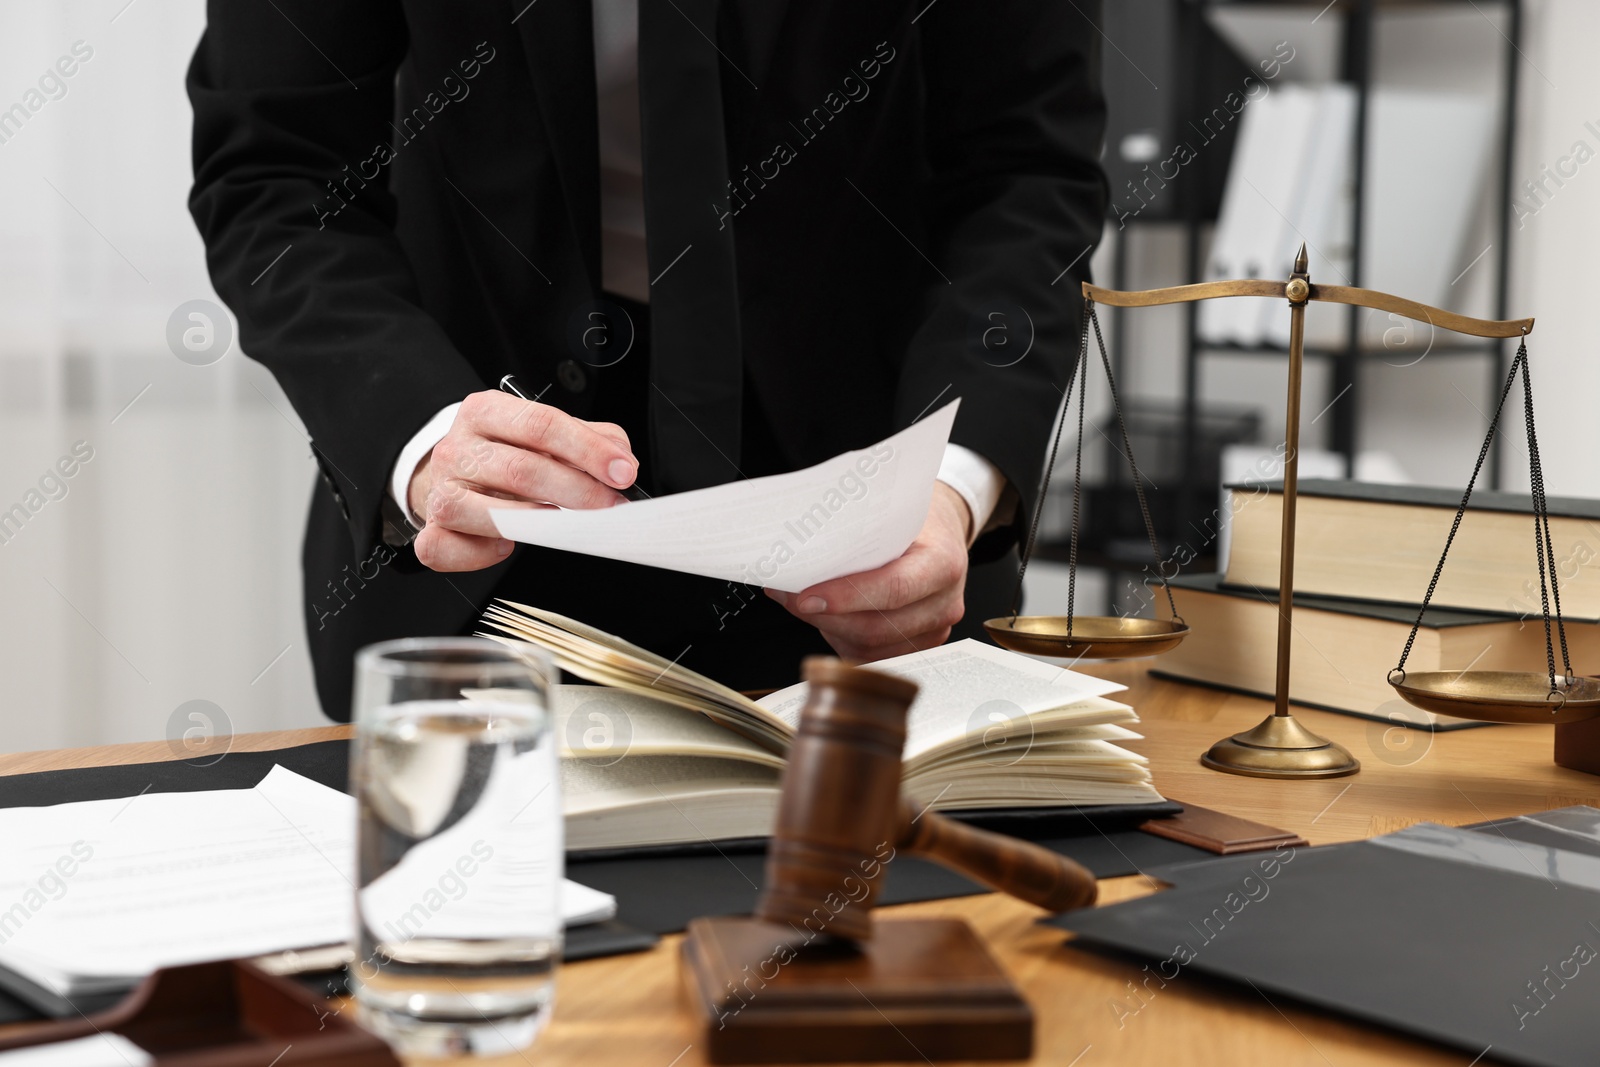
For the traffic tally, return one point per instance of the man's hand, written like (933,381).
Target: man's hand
(505,452)
(903,606)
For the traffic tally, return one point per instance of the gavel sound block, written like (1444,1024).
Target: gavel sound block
(812,978)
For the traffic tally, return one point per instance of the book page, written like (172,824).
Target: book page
(602,724)
(852,513)
(1031,747)
(608,660)
(647,800)
(968,688)
(1047,787)
(588,786)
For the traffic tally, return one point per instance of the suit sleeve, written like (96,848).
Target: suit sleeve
(292,98)
(1016,118)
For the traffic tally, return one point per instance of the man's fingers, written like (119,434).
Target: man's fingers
(542,428)
(440,549)
(874,629)
(462,509)
(615,432)
(516,473)
(904,606)
(915,575)
(869,653)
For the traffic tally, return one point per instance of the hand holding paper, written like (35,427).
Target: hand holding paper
(852,513)
(906,605)
(502,448)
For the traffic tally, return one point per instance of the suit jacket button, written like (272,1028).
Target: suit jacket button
(571,376)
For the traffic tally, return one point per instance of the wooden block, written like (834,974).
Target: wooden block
(1578,745)
(1219,832)
(225,1014)
(918,989)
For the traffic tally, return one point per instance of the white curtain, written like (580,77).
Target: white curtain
(165,569)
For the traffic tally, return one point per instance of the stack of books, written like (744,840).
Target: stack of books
(1364,555)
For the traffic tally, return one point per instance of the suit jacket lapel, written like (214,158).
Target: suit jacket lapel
(559,38)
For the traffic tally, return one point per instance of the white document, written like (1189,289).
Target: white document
(97,1050)
(848,514)
(106,891)
(470,880)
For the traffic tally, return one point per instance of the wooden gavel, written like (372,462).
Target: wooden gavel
(841,818)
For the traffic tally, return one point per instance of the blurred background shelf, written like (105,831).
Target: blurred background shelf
(1161,232)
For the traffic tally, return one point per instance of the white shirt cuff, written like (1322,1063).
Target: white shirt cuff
(978,481)
(420,445)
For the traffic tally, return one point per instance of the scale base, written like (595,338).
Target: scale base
(1280,748)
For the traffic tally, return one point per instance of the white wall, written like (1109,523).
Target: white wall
(168,572)
(1557,275)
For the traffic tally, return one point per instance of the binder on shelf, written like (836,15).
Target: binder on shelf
(1320,216)
(1251,228)
(1292,179)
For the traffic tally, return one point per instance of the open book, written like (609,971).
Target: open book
(658,754)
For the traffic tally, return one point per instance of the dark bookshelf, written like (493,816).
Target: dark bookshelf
(1356,68)
(1194,489)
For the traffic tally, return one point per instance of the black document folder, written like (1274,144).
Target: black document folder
(662,893)
(327,762)
(1482,939)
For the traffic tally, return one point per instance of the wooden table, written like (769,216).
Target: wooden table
(626,1009)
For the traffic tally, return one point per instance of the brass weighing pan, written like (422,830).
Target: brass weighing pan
(1074,636)
(1508,696)
(1500,696)
(1091,637)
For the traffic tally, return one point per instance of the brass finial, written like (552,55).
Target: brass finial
(1301,263)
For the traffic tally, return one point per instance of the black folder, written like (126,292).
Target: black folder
(1486,939)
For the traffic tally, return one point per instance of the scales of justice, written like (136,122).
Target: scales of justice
(1280,747)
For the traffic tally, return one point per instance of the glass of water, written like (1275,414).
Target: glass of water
(460,846)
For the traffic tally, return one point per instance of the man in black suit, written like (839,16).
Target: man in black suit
(857,210)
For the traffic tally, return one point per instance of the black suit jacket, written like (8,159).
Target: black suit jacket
(916,193)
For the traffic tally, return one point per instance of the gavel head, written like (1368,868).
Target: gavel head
(839,813)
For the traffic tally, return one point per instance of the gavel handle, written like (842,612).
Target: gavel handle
(1018,868)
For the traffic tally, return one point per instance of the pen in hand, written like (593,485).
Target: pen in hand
(508,384)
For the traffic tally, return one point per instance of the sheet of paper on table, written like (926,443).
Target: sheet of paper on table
(852,513)
(96,1050)
(107,891)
